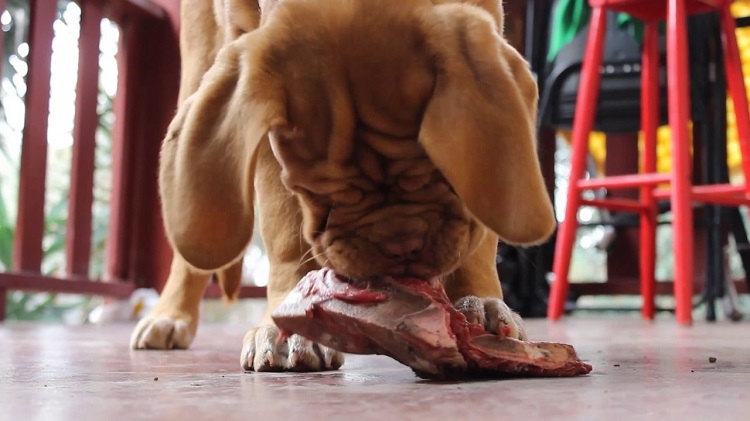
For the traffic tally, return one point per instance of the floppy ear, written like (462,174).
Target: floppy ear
(208,157)
(479,126)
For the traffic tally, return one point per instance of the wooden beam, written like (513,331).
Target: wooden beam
(172,10)
(150,253)
(85,286)
(118,9)
(30,224)
(78,238)
(124,134)
(149,63)
(41,283)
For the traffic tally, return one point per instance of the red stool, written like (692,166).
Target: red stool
(681,192)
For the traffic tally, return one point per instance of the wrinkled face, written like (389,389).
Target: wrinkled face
(388,211)
(362,104)
(373,202)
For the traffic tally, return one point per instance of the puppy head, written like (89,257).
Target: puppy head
(405,132)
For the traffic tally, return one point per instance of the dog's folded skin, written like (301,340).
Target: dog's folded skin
(375,139)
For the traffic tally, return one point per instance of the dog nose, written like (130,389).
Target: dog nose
(402,247)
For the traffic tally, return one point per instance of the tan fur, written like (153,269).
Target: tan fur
(377,138)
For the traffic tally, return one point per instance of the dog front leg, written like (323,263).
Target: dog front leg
(174,320)
(280,219)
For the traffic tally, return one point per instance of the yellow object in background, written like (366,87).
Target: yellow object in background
(740,8)
(598,140)
(598,148)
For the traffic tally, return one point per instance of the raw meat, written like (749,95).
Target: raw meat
(413,322)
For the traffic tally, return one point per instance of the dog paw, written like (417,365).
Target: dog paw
(493,314)
(265,350)
(158,332)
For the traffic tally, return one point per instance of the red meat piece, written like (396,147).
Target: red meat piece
(413,322)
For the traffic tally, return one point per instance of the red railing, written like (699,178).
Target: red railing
(148,81)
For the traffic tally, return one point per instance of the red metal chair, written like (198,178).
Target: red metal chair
(681,192)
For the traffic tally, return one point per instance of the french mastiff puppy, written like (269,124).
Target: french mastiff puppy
(375,138)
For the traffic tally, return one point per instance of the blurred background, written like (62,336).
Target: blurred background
(590,259)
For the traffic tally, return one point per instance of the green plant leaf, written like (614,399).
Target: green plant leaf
(6,233)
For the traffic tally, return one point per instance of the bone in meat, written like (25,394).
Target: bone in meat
(413,322)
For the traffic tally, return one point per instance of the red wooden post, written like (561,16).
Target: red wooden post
(150,253)
(145,104)
(78,239)
(172,10)
(27,254)
(118,239)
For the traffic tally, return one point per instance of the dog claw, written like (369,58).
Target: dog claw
(493,314)
(294,353)
(154,332)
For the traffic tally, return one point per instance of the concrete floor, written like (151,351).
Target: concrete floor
(641,371)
